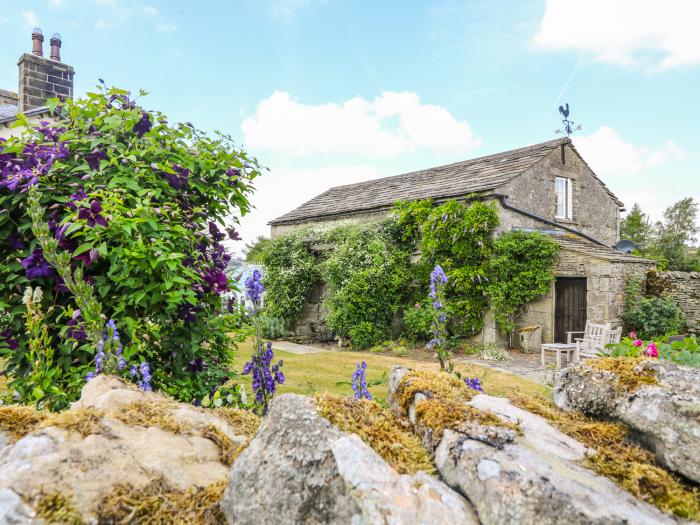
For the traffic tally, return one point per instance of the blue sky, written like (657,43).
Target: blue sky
(327,92)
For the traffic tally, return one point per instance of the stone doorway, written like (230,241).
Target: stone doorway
(569,306)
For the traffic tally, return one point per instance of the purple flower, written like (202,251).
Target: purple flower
(145,372)
(215,233)
(177,180)
(94,157)
(233,234)
(474,384)
(79,195)
(93,214)
(77,329)
(143,126)
(196,365)
(359,381)
(36,266)
(6,337)
(254,287)
(15,241)
(266,376)
(87,257)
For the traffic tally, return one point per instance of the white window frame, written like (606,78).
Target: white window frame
(564,195)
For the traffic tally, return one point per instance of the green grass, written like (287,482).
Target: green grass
(311,373)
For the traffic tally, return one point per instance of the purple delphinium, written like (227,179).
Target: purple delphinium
(438,279)
(109,352)
(266,376)
(36,266)
(143,126)
(254,288)
(474,384)
(93,214)
(359,382)
(145,371)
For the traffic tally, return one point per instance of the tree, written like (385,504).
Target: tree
(255,250)
(676,233)
(637,228)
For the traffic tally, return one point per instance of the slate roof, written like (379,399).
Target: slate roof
(577,244)
(453,180)
(6,111)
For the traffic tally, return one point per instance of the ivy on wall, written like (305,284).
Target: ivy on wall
(370,275)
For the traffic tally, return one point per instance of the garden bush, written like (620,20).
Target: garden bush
(651,317)
(417,322)
(137,204)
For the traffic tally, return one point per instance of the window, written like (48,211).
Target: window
(564,189)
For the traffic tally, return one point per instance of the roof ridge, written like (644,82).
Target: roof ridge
(551,144)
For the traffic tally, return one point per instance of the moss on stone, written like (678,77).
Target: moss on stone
(59,509)
(392,438)
(243,422)
(442,414)
(228,450)
(151,414)
(629,466)
(84,421)
(159,504)
(18,421)
(629,372)
(433,384)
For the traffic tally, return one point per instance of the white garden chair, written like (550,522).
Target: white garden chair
(594,339)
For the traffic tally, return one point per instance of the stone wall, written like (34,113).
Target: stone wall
(330,222)
(595,212)
(42,78)
(684,288)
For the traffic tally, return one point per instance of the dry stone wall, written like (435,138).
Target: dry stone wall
(684,288)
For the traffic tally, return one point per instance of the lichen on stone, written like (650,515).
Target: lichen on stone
(441,414)
(18,421)
(433,384)
(630,372)
(150,414)
(84,421)
(391,437)
(228,450)
(58,508)
(243,422)
(629,466)
(159,504)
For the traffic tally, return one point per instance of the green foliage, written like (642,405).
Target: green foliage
(368,279)
(521,270)
(684,352)
(272,327)
(655,317)
(493,352)
(255,251)
(668,242)
(417,321)
(291,272)
(650,316)
(148,263)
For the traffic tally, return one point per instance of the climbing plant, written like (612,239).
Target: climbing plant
(520,270)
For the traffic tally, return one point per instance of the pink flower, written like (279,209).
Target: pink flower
(417,305)
(652,351)
(633,335)
(638,342)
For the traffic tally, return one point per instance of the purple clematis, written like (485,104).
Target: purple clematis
(36,266)
(93,214)
(143,126)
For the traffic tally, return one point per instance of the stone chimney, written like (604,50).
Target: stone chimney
(43,78)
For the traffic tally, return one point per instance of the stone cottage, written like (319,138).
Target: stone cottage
(40,79)
(545,187)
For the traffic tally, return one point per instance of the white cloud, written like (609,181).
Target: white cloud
(284,189)
(390,125)
(100,24)
(4,19)
(149,10)
(609,155)
(165,27)
(661,35)
(56,3)
(30,19)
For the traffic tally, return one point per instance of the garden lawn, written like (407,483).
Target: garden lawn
(320,372)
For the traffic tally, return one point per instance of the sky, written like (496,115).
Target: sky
(330,92)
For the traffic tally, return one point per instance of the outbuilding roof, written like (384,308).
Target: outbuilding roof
(442,182)
(578,244)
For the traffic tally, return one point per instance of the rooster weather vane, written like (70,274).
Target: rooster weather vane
(569,125)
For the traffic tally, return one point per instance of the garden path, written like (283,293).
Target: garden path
(521,364)
(294,348)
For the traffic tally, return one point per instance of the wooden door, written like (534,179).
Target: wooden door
(569,306)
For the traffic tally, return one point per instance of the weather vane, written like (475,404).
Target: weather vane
(569,125)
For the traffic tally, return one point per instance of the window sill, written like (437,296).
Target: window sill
(564,221)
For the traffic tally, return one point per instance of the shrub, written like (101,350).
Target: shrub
(684,352)
(272,327)
(291,272)
(135,202)
(654,317)
(368,279)
(521,270)
(417,320)
(493,352)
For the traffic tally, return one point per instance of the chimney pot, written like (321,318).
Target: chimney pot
(37,42)
(56,47)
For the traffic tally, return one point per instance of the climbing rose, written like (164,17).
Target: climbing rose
(637,342)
